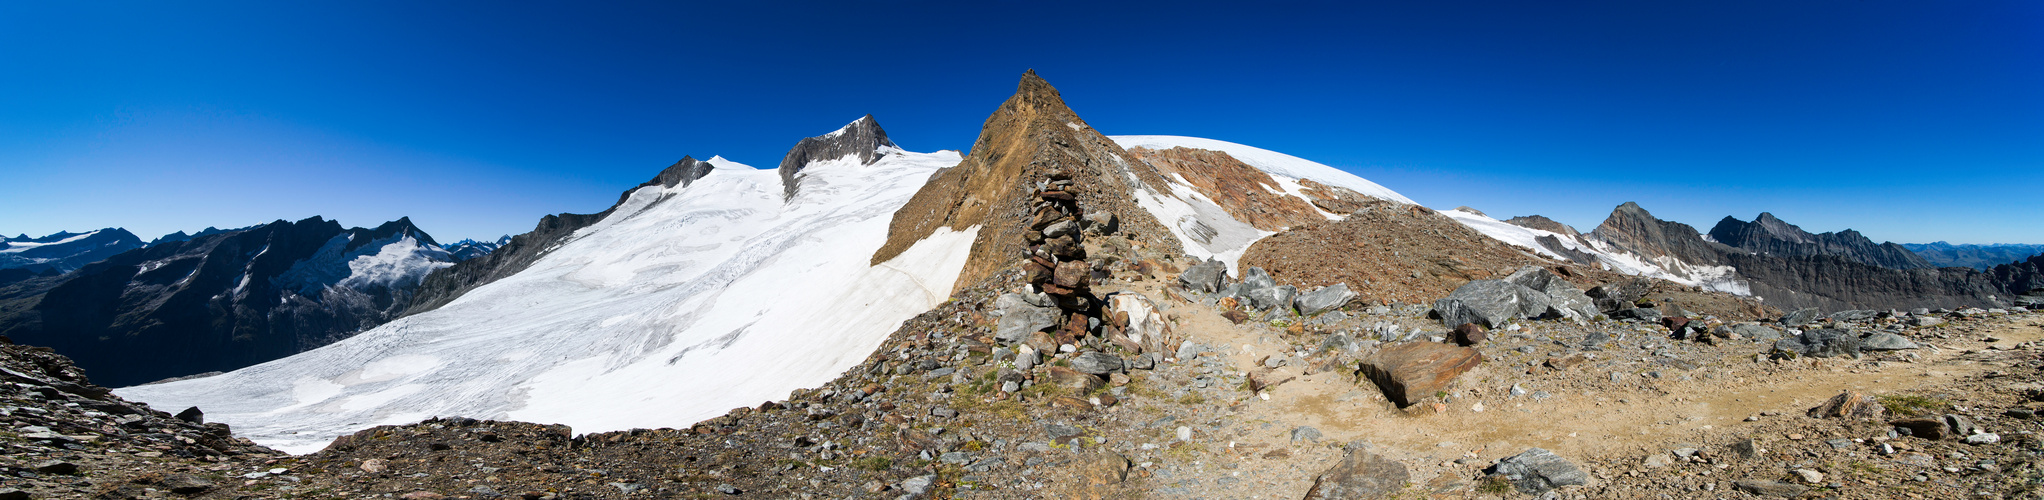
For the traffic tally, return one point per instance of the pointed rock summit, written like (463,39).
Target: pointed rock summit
(681,173)
(1030,137)
(862,138)
(1632,229)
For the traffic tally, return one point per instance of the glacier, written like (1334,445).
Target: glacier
(680,305)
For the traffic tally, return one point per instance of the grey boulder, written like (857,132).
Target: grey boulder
(1537,471)
(1276,297)
(1756,332)
(1566,300)
(1097,363)
(1885,341)
(1824,343)
(1325,299)
(1800,317)
(1256,278)
(1490,303)
(1023,314)
(1205,277)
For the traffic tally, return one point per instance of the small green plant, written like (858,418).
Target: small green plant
(1493,485)
(1192,398)
(1911,405)
(874,463)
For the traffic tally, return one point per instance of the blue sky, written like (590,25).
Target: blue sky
(1909,121)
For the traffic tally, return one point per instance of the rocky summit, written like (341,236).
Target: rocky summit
(1055,316)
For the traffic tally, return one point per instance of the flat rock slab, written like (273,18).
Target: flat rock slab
(1413,371)
(1359,475)
(1537,471)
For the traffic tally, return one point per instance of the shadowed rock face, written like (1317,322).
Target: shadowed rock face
(216,302)
(1030,135)
(1767,235)
(862,138)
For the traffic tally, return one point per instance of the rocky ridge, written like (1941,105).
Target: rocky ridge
(62,252)
(1768,235)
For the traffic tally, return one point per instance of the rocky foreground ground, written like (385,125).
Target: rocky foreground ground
(1936,404)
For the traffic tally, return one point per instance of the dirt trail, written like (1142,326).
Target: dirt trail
(1587,418)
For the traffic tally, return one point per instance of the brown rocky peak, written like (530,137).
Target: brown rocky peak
(1032,137)
(1542,223)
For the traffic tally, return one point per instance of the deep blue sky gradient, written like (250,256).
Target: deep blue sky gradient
(1909,121)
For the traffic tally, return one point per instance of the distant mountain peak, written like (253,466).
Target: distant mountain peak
(681,173)
(863,138)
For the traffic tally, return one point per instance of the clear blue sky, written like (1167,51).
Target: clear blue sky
(1910,121)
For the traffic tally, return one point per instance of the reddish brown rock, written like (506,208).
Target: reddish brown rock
(1076,275)
(1236,316)
(1566,362)
(1077,381)
(1850,405)
(1470,334)
(1036,273)
(1411,372)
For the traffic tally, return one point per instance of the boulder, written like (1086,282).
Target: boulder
(1075,380)
(1565,299)
(1800,317)
(1490,303)
(1205,277)
(1824,343)
(1413,371)
(1855,315)
(1925,320)
(1019,318)
(1646,314)
(1850,405)
(1884,341)
(1359,475)
(192,415)
(1470,334)
(1926,428)
(1145,325)
(1757,332)
(1102,222)
(1325,299)
(1276,297)
(1538,471)
(1255,278)
(1097,363)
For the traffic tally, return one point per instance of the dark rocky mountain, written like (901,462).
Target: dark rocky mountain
(1631,228)
(1768,235)
(181,236)
(468,249)
(1982,257)
(62,252)
(1791,268)
(515,253)
(1032,136)
(224,300)
(862,138)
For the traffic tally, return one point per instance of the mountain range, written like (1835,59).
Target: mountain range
(716,285)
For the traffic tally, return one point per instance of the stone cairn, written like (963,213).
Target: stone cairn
(1057,258)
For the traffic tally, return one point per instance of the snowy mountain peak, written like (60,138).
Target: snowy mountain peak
(863,138)
(64,251)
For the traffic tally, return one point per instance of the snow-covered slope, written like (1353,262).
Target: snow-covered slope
(681,304)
